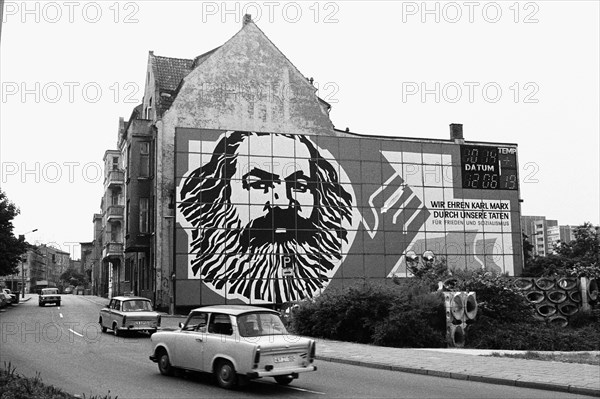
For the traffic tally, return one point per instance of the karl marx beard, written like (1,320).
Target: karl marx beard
(239,250)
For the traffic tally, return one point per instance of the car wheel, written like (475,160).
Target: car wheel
(115,330)
(102,326)
(283,379)
(225,374)
(164,364)
(57,303)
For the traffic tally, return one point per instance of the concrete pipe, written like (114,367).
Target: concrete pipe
(544,283)
(592,289)
(558,321)
(535,296)
(470,302)
(523,284)
(568,309)
(575,296)
(567,283)
(456,335)
(557,296)
(546,309)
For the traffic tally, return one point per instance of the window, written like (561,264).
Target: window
(144,215)
(114,197)
(220,324)
(144,159)
(196,322)
(114,232)
(115,163)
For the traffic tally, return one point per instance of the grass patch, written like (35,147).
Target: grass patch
(576,357)
(15,386)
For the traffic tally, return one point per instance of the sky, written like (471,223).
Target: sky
(510,72)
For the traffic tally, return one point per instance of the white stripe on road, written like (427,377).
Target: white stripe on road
(295,388)
(61,316)
(306,390)
(76,333)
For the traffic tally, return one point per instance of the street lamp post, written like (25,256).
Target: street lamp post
(23,265)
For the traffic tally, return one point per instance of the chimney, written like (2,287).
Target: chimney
(247,19)
(456,132)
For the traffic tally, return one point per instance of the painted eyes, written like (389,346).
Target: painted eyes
(257,184)
(300,186)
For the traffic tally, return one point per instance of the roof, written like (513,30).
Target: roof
(234,310)
(129,298)
(169,73)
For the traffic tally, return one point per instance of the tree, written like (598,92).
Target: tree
(73,277)
(580,257)
(584,248)
(11,248)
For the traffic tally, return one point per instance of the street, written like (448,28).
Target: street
(65,345)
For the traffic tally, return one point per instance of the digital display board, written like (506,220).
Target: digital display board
(489,167)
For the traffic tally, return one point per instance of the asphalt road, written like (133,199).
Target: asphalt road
(66,347)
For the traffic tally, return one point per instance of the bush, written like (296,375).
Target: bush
(496,298)
(347,315)
(488,333)
(15,386)
(408,314)
(417,323)
(374,313)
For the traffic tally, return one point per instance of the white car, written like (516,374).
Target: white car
(13,297)
(49,295)
(129,313)
(236,343)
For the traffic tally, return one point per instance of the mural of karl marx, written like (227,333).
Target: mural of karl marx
(297,207)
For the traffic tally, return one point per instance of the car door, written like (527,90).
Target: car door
(105,313)
(190,342)
(117,313)
(219,337)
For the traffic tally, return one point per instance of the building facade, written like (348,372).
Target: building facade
(99,272)
(238,188)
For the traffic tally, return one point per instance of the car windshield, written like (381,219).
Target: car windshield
(49,291)
(137,306)
(257,324)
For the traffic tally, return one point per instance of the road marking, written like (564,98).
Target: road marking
(76,333)
(61,316)
(307,390)
(295,388)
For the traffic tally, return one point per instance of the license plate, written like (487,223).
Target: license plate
(142,323)
(284,359)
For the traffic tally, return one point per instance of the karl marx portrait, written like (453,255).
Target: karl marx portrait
(260,198)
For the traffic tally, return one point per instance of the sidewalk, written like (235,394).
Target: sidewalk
(462,364)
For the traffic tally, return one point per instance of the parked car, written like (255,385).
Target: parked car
(236,343)
(129,313)
(49,295)
(68,290)
(13,297)
(5,300)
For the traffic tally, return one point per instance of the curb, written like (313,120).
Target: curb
(469,377)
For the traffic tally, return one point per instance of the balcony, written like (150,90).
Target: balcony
(115,178)
(114,213)
(112,250)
